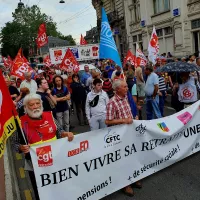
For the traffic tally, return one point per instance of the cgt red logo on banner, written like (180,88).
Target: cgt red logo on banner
(84,145)
(44,155)
(42,38)
(69,62)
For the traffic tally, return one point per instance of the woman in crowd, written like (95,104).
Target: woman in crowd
(61,94)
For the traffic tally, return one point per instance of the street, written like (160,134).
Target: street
(177,182)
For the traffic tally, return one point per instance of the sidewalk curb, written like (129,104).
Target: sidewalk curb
(11,182)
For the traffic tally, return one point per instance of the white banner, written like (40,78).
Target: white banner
(81,52)
(98,163)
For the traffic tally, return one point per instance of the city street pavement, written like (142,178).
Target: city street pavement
(178,182)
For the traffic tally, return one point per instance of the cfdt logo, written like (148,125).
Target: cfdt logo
(84,145)
(111,138)
(44,155)
(163,127)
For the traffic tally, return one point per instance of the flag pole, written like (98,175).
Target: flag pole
(2,180)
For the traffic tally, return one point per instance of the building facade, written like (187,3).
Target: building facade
(177,25)
(116,17)
(92,36)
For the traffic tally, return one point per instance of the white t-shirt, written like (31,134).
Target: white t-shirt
(32,85)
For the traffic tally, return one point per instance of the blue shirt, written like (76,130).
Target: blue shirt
(152,80)
(111,69)
(84,77)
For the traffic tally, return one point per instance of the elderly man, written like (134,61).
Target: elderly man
(29,83)
(119,112)
(85,75)
(39,127)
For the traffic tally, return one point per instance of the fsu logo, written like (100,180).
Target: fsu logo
(44,155)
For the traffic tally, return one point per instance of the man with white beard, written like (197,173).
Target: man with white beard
(38,127)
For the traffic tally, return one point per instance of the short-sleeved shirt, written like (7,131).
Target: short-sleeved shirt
(61,105)
(152,80)
(118,108)
(45,102)
(110,71)
(134,90)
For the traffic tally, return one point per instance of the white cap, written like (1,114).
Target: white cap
(40,71)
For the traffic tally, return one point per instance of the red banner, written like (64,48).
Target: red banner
(20,66)
(130,58)
(69,62)
(7,112)
(42,38)
(83,41)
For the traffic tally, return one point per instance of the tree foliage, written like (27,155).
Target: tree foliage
(69,38)
(22,31)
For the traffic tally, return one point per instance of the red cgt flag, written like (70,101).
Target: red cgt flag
(83,41)
(20,65)
(7,115)
(130,58)
(47,61)
(42,38)
(69,62)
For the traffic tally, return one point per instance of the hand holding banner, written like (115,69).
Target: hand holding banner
(42,38)
(69,62)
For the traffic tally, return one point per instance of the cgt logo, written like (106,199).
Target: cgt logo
(84,145)
(112,139)
(44,155)
(163,127)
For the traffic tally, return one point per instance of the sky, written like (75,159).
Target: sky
(74,17)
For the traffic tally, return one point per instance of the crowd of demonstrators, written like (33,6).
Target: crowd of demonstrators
(46,99)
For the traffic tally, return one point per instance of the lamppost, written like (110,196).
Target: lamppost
(20,4)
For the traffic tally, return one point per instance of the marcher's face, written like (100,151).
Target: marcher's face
(28,77)
(58,81)
(123,89)
(34,108)
(98,87)
(147,72)
(193,58)
(44,85)
(7,82)
(198,62)
(86,69)
(76,79)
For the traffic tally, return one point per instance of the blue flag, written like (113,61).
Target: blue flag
(108,49)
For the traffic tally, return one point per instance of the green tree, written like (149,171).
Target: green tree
(69,38)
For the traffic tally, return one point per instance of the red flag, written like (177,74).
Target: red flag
(141,58)
(7,61)
(130,58)
(20,65)
(42,38)
(7,113)
(83,41)
(69,62)
(47,61)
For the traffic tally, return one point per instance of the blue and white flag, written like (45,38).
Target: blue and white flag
(108,49)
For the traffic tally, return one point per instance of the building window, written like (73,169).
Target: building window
(195,23)
(112,5)
(135,11)
(140,37)
(161,6)
(168,30)
(159,32)
(135,38)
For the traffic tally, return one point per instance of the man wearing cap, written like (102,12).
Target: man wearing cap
(29,83)
(151,91)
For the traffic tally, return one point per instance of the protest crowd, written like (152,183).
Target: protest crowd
(46,97)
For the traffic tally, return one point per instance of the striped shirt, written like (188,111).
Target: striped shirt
(162,85)
(118,108)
